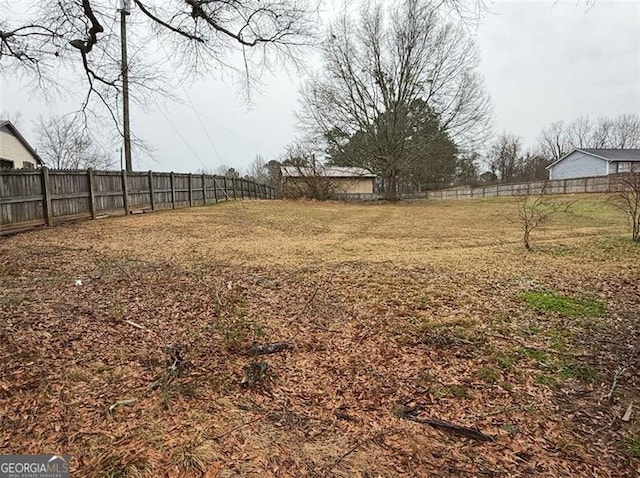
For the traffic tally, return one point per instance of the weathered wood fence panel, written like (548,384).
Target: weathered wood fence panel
(31,198)
(598,184)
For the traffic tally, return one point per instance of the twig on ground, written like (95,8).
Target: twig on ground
(250,422)
(119,403)
(619,373)
(377,436)
(272,348)
(622,368)
(136,325)
(124,271)
(627,414)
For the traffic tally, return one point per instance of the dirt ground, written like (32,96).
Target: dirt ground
(127,342)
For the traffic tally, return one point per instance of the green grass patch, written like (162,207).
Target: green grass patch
(533,354)
(530,331)
(633,444)
(544,379)
(489,374)
(547,301)
(503,360)
(579,371)
(439,391)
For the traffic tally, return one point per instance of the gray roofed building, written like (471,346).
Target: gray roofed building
(588,162)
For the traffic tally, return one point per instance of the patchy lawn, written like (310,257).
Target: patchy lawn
(394,315)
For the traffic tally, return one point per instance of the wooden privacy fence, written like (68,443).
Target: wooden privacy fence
(595,184)
(31,198)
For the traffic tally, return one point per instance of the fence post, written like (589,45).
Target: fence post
(173,190)
(190,190)
(224,186)
(92,197)
(46,193)
(204,189)
(125,192)
(564,186)
(241,188)
(215,189)
(233,184)
(152,191)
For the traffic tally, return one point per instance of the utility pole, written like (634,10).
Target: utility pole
(124,11)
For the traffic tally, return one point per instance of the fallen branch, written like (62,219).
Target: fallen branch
(265,349)
(239,427)
(136,325)
(123,270)
(119,403)
(619,373)
(468,432)
(622,368)
(627,414)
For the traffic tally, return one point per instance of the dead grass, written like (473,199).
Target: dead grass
(415,305)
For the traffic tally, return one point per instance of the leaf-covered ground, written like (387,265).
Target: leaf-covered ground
(124,341)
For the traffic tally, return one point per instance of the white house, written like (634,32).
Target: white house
(15,151)
(583,162)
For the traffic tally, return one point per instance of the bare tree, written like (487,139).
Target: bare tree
(625,132)
(14,117)
(554,142)
(535,210)
(266,172)
(64,143)
(258,170)
(505,156)
(581,132)
(385,69)
(227,171)
(626,197)
(49,42)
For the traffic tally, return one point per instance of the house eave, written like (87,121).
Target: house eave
(22,140)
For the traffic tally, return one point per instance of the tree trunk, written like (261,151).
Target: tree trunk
(391,187)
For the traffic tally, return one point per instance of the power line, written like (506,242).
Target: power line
(193,151)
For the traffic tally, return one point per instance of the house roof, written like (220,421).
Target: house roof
(607,154)
(25,143)
(328,172)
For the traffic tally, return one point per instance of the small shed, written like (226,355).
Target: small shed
(588,162)
(346,180)
(15,151)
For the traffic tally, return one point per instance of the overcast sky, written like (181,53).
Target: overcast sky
(542,61)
